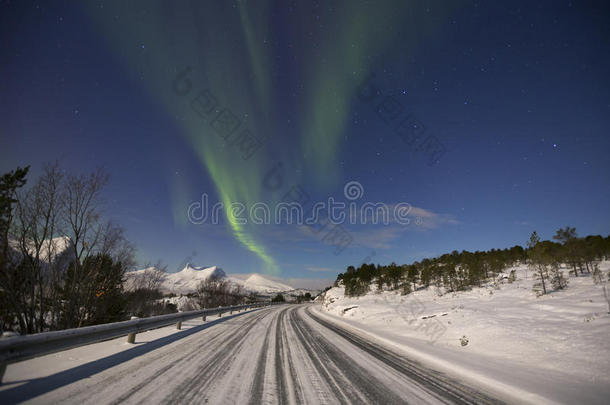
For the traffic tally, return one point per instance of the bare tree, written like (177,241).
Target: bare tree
(88,236)
(38,212)
(150,278)
(217,291)
(143,290)
(65,261)
(114,244)
(212,292)
(602,279)
(237,294)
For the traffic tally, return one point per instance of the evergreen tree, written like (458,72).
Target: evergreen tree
(568,238)
(395,273)
(12,287)
(537,260)
(558,281)
(380,278)
(109,303)
(100,297)
(412,275)
(425,274)
(9,184)
(278,298)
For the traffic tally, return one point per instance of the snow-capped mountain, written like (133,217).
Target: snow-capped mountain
(260,284)
(142,278)
(187,280)
(50,249)
(182,282)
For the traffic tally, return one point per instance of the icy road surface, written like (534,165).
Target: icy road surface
(284,354)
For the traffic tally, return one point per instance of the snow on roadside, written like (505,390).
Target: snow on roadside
(38,367)
(563,335)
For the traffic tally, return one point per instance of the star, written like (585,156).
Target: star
(404,91)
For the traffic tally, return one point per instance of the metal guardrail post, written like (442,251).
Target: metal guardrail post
(131,338)
(179,325)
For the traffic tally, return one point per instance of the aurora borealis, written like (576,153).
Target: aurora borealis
(516,93)
(239,71)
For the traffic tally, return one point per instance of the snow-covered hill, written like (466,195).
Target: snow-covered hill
(502,329)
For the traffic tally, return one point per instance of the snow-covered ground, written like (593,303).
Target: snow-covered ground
(557,344)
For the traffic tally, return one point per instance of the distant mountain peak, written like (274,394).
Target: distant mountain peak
(258,282)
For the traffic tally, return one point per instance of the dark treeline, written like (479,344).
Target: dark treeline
(458,271)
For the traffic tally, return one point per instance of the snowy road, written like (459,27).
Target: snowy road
(282,354)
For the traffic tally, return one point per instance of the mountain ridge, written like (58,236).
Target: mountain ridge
(186,280)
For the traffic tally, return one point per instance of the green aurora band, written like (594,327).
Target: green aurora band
(235,65)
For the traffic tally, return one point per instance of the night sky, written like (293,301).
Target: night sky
(491,120)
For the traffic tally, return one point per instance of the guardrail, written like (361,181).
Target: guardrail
(18,348)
